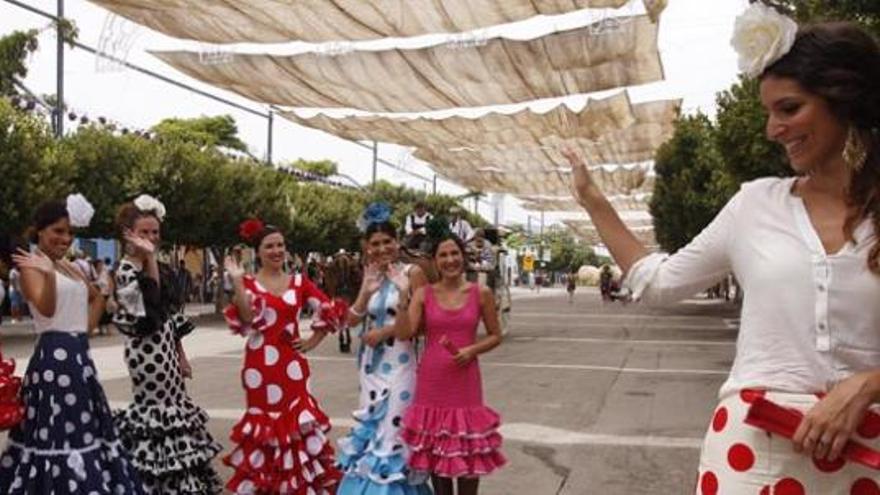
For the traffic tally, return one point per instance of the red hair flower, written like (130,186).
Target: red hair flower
(249,229)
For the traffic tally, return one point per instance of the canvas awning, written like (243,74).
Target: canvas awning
(588,233)
(620,202)
(274,21)
(501,71)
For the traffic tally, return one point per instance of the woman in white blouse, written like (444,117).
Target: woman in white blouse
(806,253)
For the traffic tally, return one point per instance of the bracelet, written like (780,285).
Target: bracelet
(355,312)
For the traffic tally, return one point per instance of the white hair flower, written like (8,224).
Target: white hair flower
(761,36)
(79,210)
(147,203)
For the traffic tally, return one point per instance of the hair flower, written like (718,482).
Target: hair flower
(375,213)
(762,36)
(149,204)
(79,210)
(249,229)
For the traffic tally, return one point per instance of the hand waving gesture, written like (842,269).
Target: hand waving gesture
(35,261)
(233,267)
(372,279)
(582,183)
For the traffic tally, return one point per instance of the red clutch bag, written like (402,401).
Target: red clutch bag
(783,421)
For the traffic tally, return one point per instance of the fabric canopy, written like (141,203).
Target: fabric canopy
(588,233)
(501,71)
(274,21)
(597,118)
(621,203)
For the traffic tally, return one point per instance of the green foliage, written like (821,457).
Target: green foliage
(14,50)
(402,201)
(321,168)
(746,152)
(26,177)
(692,185)
(865,12)
(220,130)
(566,254)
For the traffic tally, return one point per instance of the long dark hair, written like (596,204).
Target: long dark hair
(45,215)
(840,62)
(387,228)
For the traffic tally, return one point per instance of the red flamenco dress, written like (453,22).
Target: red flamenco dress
(11,406)
(281,444)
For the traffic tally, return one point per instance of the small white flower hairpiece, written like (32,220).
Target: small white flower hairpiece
(147,203)
(762,36)
(79,210)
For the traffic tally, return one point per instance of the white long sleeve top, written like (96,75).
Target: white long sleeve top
(809,318)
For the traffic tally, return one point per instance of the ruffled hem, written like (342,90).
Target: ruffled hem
(458,466)
(453,442)
(457,422)
(202,481)
(283,454)
(167,442)
(103,468)
(358,485)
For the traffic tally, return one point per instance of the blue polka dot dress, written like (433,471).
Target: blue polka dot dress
(67,442)
(373,456)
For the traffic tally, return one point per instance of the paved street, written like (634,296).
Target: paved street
(596,399)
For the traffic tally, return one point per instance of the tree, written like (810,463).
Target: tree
(692,186)
(14,50)
(27,179)
(566,254)
(321,168)
(865,12)
(220,130)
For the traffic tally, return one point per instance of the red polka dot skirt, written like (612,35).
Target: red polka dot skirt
(738,459)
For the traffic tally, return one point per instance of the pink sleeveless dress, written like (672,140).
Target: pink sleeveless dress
(449,430)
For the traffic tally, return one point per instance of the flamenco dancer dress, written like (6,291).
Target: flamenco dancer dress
(373,455)
(281,444)
(163,429)
(448,428)
(66,443)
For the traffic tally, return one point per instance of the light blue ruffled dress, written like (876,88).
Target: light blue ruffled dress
(373,456)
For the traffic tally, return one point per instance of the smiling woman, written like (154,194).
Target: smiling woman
(807,254)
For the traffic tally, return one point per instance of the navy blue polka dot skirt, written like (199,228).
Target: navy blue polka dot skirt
(66,443)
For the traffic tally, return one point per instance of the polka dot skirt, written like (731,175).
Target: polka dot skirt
(738,459)
(66,443)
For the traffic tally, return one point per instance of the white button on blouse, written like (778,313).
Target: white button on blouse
(809,318)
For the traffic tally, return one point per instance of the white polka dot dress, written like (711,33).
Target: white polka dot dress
(739,459)
(280,442)
(66,443)
(373,455)
(165,431)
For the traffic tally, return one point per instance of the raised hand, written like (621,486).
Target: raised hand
(35,261)
(143,248)
(582,184)
(372,279)
(233,267)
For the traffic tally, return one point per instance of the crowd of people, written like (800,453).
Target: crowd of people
(413,431)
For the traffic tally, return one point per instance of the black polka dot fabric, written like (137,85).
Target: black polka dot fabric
(165,431)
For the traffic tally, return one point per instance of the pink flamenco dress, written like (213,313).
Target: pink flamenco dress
(449,430)
(281,444)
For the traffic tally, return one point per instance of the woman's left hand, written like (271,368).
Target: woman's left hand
(373,337)
(464,356)
(304,346)
(827,427)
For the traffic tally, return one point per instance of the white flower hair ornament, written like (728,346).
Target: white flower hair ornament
(762,36)
(147,203)
(79,211)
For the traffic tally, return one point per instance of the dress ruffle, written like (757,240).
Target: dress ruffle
(172,444)
(453,442)
(368,472)
(286,454)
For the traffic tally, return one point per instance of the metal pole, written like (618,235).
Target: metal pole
(529,223)
(271,119)
(375,160)
(59,91)
(435,184)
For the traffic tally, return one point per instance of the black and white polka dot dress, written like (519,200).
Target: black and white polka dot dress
(163,429)
(66,443)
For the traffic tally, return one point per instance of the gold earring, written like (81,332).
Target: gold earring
(855,153)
